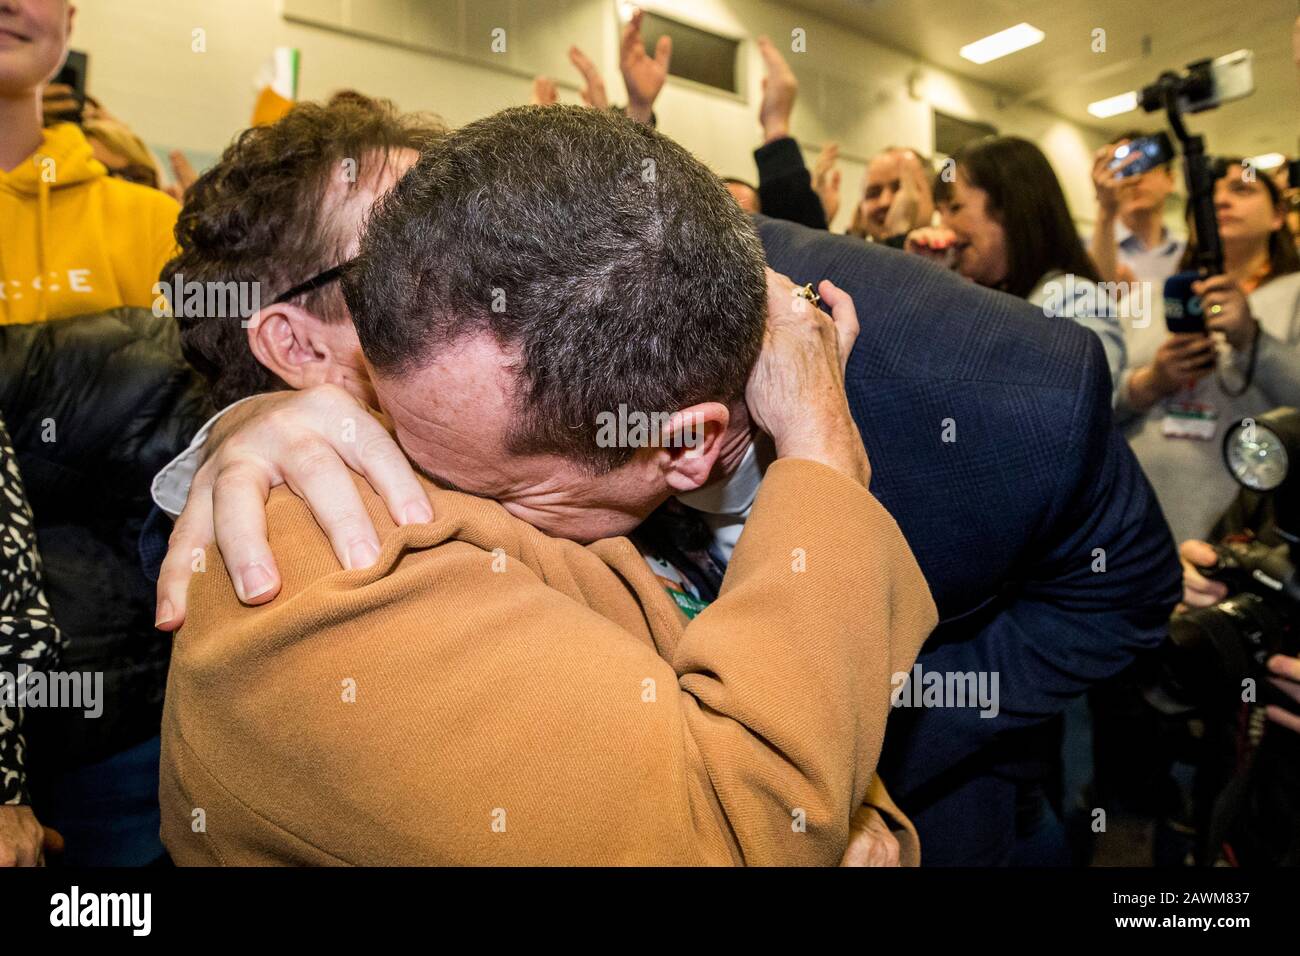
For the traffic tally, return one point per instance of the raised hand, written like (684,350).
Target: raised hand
(593,84)
(183,175)
(59,104)
(780,87)
(913,207)
(544,92)
(1104,179)
(643,75)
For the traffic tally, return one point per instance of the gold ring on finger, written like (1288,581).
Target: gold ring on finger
(808,293)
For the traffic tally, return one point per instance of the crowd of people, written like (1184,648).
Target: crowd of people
(308,486)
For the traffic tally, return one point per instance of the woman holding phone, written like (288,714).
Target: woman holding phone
(1185,388)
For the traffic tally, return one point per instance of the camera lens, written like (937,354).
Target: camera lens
(1219,647)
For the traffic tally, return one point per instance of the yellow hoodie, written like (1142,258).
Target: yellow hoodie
(74,240)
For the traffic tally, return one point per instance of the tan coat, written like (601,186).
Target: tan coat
(485,694)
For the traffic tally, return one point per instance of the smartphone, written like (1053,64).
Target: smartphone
(1183,311)
(1152,151)
(1293,174)
(73,74)
(1232,77)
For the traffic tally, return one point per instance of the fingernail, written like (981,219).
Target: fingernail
(417,513)
(254,581)
(362,555)
(165,612)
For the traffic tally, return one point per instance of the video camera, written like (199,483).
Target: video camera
(1204,86)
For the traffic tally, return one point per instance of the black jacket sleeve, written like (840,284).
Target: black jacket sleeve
(785,186)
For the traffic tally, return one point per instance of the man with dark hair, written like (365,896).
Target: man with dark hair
(515,270)
(455,701)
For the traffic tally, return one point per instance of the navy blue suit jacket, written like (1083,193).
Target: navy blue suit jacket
(1008,520)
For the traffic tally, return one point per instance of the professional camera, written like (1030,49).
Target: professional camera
(1230,642)
(1249,774)
(1223,646)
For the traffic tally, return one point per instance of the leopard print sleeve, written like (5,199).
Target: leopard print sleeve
(28,635)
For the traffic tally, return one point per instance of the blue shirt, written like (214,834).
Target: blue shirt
(1153,265)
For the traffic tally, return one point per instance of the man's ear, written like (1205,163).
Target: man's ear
(690,443)
(283,338)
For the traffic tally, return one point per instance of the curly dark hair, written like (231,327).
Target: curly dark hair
(258,216)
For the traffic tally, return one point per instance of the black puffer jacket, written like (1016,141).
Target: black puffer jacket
(96,405)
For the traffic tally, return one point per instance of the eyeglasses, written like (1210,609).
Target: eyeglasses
(314,283)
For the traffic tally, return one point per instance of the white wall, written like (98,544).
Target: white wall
(856,91)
